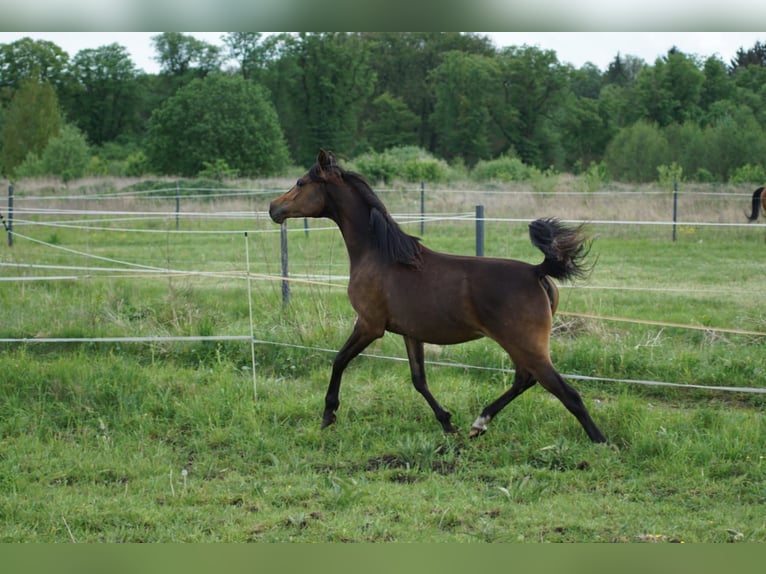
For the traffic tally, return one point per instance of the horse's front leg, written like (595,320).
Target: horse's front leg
(358,341)
(417,369)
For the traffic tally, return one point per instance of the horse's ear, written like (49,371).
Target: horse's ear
(326,159)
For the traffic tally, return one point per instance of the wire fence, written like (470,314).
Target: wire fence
(35,212)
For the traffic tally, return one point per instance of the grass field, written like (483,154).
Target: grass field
(215,440)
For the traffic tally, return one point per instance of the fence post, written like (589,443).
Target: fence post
(178,204)
(9,226)
(675,208)
(285,282)
(422,207)
(479,230)
(306,226)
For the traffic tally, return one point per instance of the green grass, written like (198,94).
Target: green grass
(171,441)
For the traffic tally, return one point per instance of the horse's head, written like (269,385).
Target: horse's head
(307,198)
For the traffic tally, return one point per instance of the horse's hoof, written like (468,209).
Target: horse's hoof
(474,432)
(328,420)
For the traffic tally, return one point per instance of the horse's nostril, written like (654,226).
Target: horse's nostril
(276,213)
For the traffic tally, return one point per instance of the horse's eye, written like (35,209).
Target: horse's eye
(299,183)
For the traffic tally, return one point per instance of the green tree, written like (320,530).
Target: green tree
(67,156)
(717,84)
(320,84)
(623,70)
(635,153)
(755,56)
(218,117)
(179,54)
(619,104)
(734,139)
(751,90)
(403,62)
(586,130)
(248,50)
(689,148)
(532,87)
(585,82)
(390,123)
(670,91)
(31,120)
(27,59)
(462,84)
(103,98)
(584,119)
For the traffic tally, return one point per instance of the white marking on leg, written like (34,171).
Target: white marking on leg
(480,423)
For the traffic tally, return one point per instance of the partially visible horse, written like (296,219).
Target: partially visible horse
(759,200)
(397,284)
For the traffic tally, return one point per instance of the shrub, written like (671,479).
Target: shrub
(136,165)
(543,181)
(636,151)
(408,163)
(217,170)
(705,176)
(67,156)
(376,166)
(748,173)
(594,178)
(217,117)
(505,169)
(669,175)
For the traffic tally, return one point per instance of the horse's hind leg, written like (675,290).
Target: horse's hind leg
(552,381)
(522,380)
(417,370)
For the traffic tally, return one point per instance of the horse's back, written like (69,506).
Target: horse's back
(451,299)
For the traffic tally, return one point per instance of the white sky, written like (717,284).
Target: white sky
(575,48)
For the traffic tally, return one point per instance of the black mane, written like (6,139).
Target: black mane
(392,243)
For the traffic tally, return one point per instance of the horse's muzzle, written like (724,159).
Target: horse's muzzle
(277,213)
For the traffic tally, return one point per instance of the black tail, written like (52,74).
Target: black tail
(756,204)
(565,249)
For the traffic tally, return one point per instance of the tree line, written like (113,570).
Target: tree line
(256,104)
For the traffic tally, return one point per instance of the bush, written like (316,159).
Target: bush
(754,174)
(376,167)
(636,152)
(432,170)
(408,163)
(504,169)
(217,170)
(217,117)
(705,176)
(594,178)
(543,181)
(669,175)
(734,140)
(67,156)
(136,165)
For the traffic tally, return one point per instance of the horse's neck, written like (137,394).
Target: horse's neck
(352,215)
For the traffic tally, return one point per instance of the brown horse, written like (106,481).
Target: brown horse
(759,199)
(398,285)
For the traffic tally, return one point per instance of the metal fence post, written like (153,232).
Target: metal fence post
(422,207)
(479,230)
(178,205)
(675,208)
(285,282)
(9,227)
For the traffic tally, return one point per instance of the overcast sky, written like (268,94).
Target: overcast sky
(575,48)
